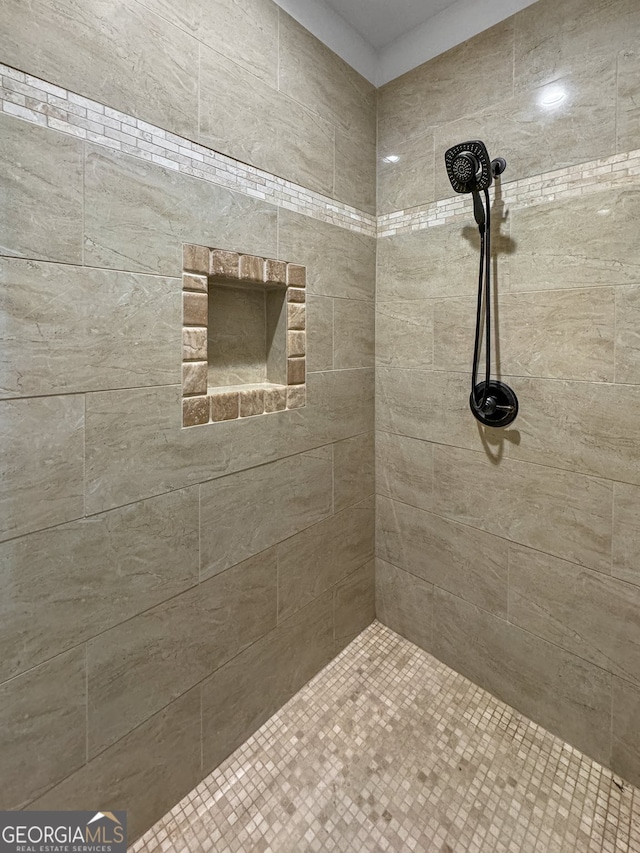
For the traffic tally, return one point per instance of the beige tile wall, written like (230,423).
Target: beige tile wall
(489,88)
(162,587)
(513,555)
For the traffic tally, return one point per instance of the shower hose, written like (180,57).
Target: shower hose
(484,289)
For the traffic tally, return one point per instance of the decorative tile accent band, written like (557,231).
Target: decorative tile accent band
(31,99)
(204,269)
(39,102)
(619,170)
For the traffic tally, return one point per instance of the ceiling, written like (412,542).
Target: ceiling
(382,21)
(383,39)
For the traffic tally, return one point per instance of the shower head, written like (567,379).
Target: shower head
(469,167)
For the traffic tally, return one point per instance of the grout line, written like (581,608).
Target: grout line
(57,263)
(333,333)
(435,512)
(85,391)
(613,531)
(201,698)
(84,202)
(611,719)
(615,336)
(198,91)
(606,383)
(509,582)
(86,699)
(279,15)
(600,478)
(84,455)
(199,533)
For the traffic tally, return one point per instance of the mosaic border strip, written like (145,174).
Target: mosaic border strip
(38,102)
(203,266)
(619,170)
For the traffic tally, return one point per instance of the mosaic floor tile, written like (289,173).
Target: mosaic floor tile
(387,749)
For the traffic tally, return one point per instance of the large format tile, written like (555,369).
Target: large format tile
(460,559)
(152,74)
(430,405)
(140,666)
(317,558)
(404,469)
(245,692)
(135,446)
(353,470)
(565,514)
(404,602)
(246,32)
(144,774)
(41,187)
(567,695)
(42,463)
(560,334)
(138,214)
(628,115)
(440,261)
(355,170)
(253,122)
(345,403)
(451,83)
(595,616)
(571,39)
(625,735)
(627,337)
(587,427)
(595,235)
(67,584)
(247,512)
(354,604)
(453,333)
(404,333)
(353,333)
(43,721)
(535,139)
(315,76)
(339,262)
(71,329)
(626,532)
(319,323)
(409,180)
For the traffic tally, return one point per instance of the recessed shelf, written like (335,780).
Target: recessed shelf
(247,334)
(244,336)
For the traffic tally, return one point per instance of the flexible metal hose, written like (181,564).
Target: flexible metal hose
(484,290)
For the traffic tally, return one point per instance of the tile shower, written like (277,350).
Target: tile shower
(173,572)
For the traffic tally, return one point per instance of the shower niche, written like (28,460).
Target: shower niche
(243,336)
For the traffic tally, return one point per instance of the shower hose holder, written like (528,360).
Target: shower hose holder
(500,406)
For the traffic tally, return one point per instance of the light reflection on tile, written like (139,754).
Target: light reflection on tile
(389,749)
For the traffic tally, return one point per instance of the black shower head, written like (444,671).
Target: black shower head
(469,167)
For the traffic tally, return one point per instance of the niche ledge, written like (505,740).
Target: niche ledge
(243,336)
